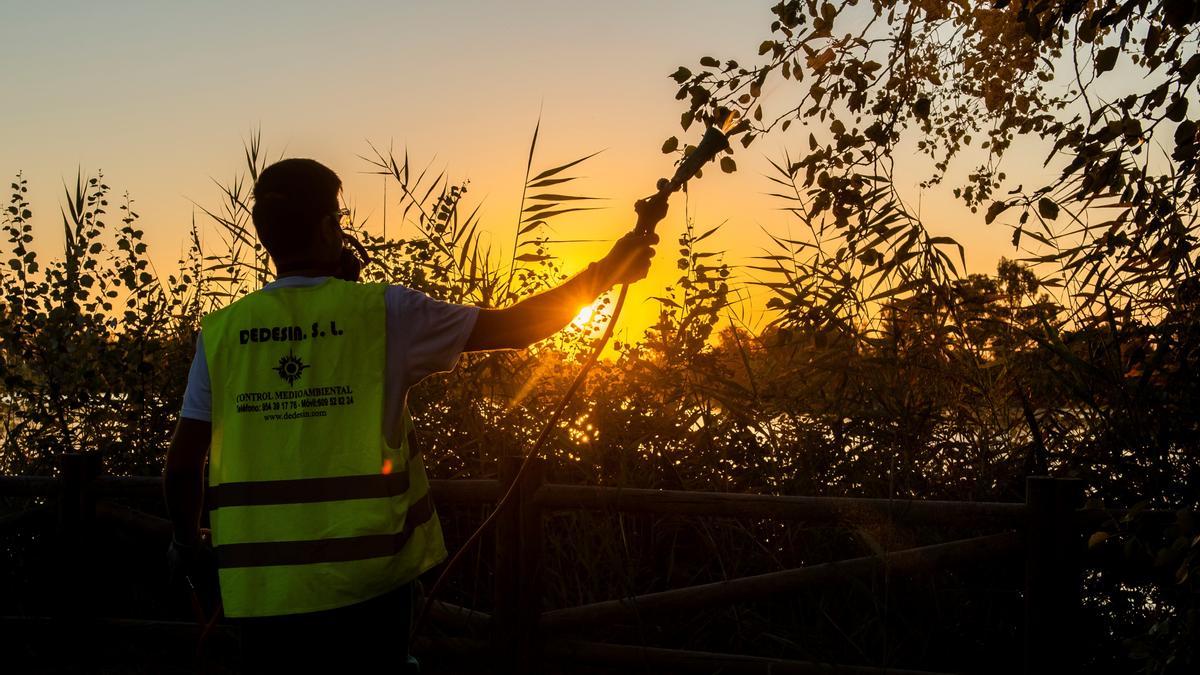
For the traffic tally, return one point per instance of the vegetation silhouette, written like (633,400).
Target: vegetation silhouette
(885,370)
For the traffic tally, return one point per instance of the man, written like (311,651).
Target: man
(320,510)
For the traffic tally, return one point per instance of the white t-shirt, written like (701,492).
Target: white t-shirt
(424,336)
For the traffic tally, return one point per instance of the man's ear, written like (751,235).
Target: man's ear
(331,237)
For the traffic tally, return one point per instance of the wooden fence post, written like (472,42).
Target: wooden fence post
(76,515)
(505,634)
(530,574)
(1053,556)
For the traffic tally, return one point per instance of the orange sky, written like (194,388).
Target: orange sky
(160,97)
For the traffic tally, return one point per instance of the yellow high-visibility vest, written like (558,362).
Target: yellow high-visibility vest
(310,507)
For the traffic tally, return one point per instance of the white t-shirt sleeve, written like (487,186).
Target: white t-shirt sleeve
(425,336)
(197,397)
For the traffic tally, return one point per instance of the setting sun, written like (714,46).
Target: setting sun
(585,315)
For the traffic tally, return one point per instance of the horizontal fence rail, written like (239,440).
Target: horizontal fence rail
(20,518)
(813,509)
(465,491)
(658,659)
(772,584)
(565,497)
(636,658)
(29,486)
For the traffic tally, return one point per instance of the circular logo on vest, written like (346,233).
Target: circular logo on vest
(290,368)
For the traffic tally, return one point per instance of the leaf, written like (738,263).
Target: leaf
(550,214)
(1047,208)
(1185,133)
(1096,539)
(1135,511)
(995,210)
(540,207)
(895,290)
(706,235)
(545,196)
(526,229)
(559,169)
(1178,109)
(728,165)
(532,257)
(709,62)
(670,145)
(681,75)
(1106,59)
(549,182)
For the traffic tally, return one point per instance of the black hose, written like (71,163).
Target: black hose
(533,452)
(650,211)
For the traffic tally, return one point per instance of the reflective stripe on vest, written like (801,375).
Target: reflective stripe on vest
(310,508)
(326,550)
(302,490)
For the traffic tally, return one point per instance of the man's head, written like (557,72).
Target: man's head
(296,215)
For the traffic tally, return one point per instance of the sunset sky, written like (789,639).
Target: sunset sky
(160,96)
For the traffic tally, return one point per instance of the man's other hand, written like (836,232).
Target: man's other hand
(193,563)
(629,259)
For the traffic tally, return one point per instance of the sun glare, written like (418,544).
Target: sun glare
(585,315)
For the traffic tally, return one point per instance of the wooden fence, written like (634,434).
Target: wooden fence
(1045,534)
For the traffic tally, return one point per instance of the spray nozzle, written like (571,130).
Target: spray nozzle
(715,140)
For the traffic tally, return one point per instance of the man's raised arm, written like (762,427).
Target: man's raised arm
(542,315)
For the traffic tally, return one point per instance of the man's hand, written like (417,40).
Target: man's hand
(192,562)
(629,259)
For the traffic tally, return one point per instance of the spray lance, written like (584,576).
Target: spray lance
(649,212)
(715,140)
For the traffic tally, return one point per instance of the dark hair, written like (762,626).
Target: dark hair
(291,198)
